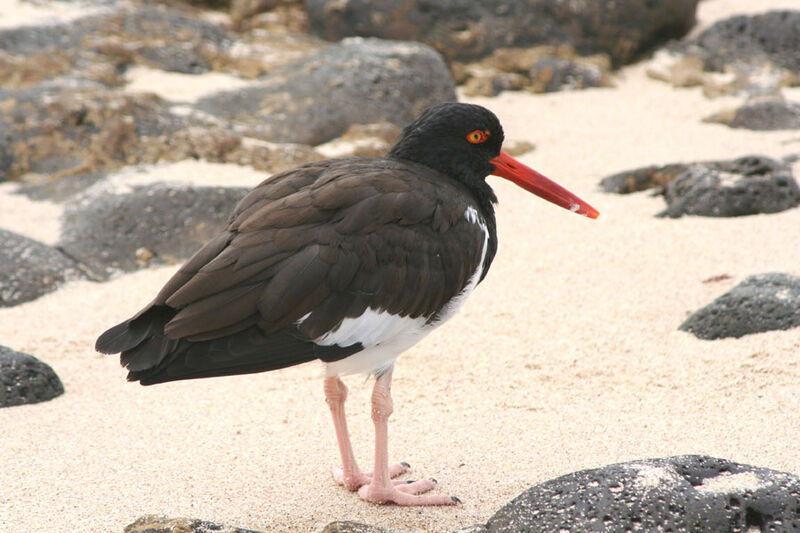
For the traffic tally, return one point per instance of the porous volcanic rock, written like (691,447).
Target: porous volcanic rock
(24,379)
(681,494)
(772,37)
(470,29)
(318,97)
(151,225)
(538,69)
(762,115)
(163,524)
(745,186)
(30,269)
(763,302)
(61,130)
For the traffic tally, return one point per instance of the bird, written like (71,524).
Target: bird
(349,261)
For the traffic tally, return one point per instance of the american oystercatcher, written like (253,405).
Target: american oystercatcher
(350,261)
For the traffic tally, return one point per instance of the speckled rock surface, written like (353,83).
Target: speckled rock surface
(25,379)
(766,115)
(153,225)
(763,302)
(682,494)
(162,524)
(751,39)
(744,186)
(318,97)
(29,269)
(468,29)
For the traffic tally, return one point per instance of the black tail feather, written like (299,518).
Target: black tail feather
(245,352)
(151,357)
(131,333)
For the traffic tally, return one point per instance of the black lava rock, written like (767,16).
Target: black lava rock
(24,379)
(178,57)
(469,29)
(751,39)
(157,224)
(641,179)
(358,81)
(29,269)
(555,74)
(162,524)
(773,114)
(763,302)
(352,527)
(744,186)
(681,494)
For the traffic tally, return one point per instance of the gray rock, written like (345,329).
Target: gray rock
(162,524)
(352,527)
(772,37)
(539,69)
(556,74)
(744,186)
(157,224)
(177,57)
(469,29)
(61,189)
(316,98)
(772,114)
(30,269)
(60,129)
(681,494)
(25,379)
(763,302)
(640,179)
(32,39)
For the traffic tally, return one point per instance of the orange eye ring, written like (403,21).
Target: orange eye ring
(478,136)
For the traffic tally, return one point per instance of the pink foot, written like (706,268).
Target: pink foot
(355,480)
(412,493)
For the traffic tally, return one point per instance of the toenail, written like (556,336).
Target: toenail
(455,499)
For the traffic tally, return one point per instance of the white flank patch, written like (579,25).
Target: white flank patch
(371,328)
(384,335)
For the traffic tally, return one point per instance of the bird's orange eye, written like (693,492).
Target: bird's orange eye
(478,136)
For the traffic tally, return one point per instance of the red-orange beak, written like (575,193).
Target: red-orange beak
(509,168)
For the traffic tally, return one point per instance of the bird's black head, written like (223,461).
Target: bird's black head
(458,140)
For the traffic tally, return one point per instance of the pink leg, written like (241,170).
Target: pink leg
(349,475)
(381,489)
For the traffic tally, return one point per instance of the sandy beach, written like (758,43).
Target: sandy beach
(566,357)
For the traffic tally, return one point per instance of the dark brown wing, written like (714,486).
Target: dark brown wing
(320,243)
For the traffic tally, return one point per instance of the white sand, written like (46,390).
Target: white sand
(16,13)
(567,356)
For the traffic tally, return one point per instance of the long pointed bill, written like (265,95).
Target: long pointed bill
(509,168)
